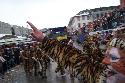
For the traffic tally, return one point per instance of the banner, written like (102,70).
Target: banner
(61,37)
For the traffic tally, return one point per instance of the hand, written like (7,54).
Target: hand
(38,35)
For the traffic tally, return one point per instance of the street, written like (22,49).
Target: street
(17,75)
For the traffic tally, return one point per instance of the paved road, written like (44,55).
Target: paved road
(17,75)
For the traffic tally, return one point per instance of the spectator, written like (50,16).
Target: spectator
(16,51)
(8,54)
(2,63)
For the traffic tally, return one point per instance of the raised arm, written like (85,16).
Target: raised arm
(37,34)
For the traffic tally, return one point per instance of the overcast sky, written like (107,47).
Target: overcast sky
(46,13)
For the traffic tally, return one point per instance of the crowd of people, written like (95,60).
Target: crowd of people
(12,54)
(114,54)
(34,60)
(27,54)
(9,57)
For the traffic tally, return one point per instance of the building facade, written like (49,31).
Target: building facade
(6,28)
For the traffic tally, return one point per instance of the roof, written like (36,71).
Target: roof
(98,9)
(8,37)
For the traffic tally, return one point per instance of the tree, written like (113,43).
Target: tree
(12,31)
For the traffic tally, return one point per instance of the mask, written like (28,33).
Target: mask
(114,55)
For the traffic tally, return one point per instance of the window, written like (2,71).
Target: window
(97,15)
(88,17)
(78,18)
(101,14)
(83,17)
(79,25)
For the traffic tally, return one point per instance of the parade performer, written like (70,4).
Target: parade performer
(115,59)
(33,53)
(27,60)
(68,57)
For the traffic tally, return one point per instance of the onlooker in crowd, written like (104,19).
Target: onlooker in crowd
(9,56)
(115,56)
(2,63)
(16,51)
